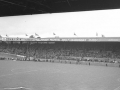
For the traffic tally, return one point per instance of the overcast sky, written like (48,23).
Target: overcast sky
(83,24)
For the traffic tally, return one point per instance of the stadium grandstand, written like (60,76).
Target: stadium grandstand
(102,49)
(59,45)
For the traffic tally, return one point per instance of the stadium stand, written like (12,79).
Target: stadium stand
(97,51)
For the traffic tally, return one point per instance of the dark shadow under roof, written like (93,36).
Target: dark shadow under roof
(28,7)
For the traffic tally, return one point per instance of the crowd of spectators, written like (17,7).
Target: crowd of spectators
(63,50)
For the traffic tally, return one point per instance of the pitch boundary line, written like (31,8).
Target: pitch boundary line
(118,88)
(12,70)
(17,88)
(18,73)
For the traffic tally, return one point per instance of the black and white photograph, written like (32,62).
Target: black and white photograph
(59,44)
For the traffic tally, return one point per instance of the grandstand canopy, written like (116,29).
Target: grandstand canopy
(28,7)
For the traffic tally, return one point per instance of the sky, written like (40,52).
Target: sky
(83,24)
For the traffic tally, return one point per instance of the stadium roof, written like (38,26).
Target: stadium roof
(27,7)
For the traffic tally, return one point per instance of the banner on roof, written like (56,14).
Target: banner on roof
(94,39)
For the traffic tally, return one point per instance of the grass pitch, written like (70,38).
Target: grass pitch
(57,76)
